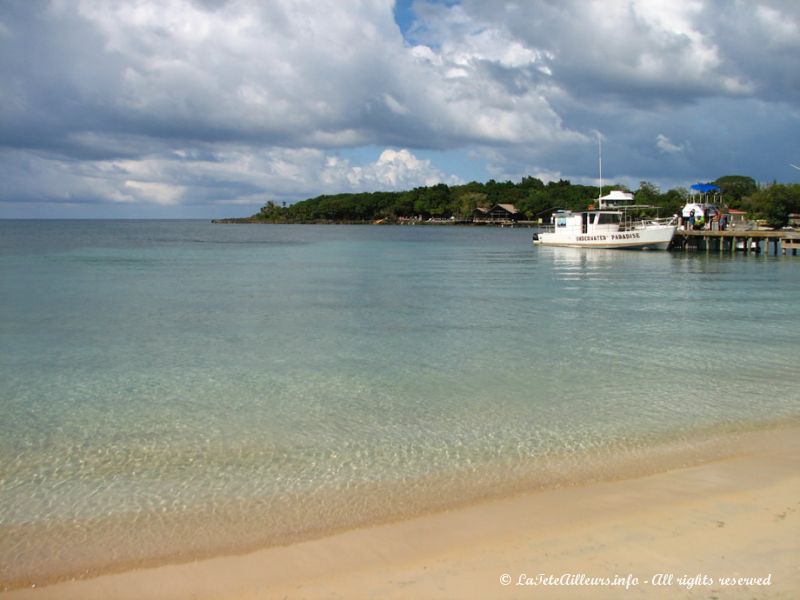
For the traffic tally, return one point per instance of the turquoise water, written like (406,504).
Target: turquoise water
(173,389)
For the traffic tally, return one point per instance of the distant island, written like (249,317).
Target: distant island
(529,200)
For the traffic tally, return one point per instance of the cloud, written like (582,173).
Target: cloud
(201,102)
(643,52)
(215,176)
(104,98)
(394,170)
(321,73)
(664,144)
(159,193)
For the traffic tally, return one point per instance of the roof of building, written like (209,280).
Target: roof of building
(509,207)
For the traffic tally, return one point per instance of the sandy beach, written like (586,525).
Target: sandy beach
(725,529)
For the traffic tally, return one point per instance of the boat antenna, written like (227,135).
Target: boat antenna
(600,161)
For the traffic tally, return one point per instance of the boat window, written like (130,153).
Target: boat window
(606,218)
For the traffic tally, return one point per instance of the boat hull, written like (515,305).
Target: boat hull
(649,238)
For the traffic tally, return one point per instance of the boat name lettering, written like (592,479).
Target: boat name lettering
(591,238)
(624,236)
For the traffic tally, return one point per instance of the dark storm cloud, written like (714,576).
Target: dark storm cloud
(680,90)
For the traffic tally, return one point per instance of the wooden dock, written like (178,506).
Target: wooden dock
(731,240)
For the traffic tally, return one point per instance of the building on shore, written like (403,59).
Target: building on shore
(499,213)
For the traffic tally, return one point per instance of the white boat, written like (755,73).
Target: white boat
(606,228)
(612,226)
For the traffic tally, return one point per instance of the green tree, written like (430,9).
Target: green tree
(775,203)
(531,196)
(672,202)
(464,202)
(531,183)
(271,212)
(735,188)
(648,193)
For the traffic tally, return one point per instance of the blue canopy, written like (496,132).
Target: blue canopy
(704,188)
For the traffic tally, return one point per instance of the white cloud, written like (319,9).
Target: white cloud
(229,176)
(783,30)
(664,144)
(308,73)
(394,170)
(159,193)
(395,106)
(175,102)
(639,50)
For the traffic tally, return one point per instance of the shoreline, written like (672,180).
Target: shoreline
(735,515)
(122,542)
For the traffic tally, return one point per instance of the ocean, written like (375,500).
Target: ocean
(178,389)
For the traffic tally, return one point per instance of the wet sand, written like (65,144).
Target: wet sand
(737,518)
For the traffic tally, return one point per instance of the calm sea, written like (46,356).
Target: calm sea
(174,389)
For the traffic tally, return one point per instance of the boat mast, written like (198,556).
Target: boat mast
(600,160)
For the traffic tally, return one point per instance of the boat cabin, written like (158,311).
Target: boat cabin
(587,222)
(616,199)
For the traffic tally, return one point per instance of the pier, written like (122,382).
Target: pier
(753,241)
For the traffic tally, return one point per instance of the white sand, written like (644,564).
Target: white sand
(737,518)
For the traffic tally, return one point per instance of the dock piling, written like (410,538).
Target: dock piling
(782,241)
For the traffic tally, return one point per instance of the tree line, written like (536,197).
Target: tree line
(531,196)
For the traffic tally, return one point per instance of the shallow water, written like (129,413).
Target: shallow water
(180,388)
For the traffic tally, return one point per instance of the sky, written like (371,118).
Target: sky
(211,108)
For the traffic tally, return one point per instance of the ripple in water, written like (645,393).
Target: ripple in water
(165,399)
